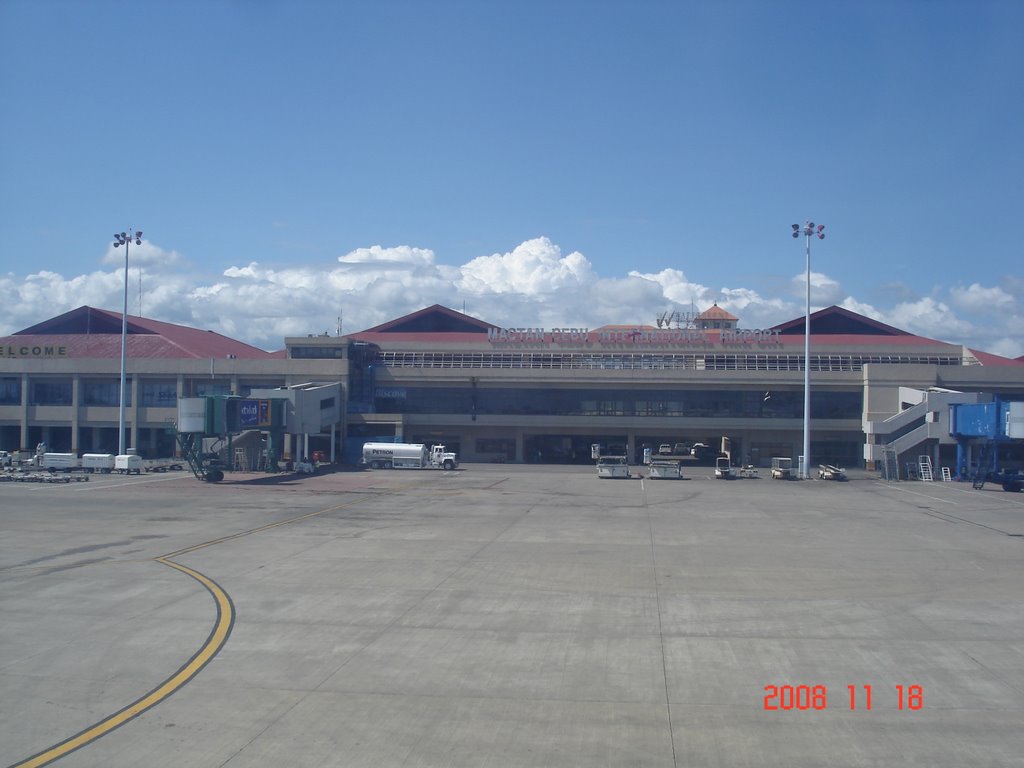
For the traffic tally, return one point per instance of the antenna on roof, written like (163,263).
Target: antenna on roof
(340,313)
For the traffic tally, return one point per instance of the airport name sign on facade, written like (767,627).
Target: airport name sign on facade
(9,350)
(632,336)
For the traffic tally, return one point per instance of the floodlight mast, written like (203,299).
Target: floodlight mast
(125,239)
(809,230)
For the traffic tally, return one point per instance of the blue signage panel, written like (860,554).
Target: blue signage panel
(254,413)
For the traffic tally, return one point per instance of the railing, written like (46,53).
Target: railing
(652,362)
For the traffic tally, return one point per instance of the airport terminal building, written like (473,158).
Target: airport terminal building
(510,394)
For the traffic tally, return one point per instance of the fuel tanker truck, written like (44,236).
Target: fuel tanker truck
(407,456)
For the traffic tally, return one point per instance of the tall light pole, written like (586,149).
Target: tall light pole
(125,239)
(808,230)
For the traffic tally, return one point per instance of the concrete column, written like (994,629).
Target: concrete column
(76,381)
(24,412)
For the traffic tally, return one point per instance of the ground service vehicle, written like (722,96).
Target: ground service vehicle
(724,469)
(98,462)
(782,468)
(665,469)
(612,466)
(408,456)
(128,464)
(52,462)
(831,472)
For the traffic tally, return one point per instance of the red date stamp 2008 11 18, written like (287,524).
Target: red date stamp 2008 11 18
(807,697)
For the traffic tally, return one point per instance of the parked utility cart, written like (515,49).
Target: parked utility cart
(665,469)
(612,466)
(53,462)
(98,462)
(407,456)
(831,472)
(128,464)
(724,470)
(782,468)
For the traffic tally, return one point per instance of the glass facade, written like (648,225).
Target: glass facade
(160,394)
(208,388)
(317,353)
(50,392)
(657,361)
(10,391)
(747,404)
(105,392)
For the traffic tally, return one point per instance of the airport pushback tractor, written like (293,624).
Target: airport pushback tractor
(408,456)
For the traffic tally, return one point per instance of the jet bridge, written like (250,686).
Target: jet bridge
(983,431)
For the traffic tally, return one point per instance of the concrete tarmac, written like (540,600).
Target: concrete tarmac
(504,615)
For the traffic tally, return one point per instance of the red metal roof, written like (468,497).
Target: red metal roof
(836,320)
(715,312)
(433,319)
(987,358)
(146,338)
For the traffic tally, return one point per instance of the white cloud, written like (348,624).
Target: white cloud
(533,284)
(402,254)
(1006,347)
(824,290)
(925,317)
(533,268)
(976,298)
(152,258)
(676,287)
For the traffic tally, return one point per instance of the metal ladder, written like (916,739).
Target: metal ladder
(241,460)
(924,463)
(947,476)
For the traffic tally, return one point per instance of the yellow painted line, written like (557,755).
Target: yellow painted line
(218,637)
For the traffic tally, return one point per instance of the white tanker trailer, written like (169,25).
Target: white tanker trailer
(407,456)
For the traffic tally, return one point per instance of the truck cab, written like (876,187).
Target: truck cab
(439,457)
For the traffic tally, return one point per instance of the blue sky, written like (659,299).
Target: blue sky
(541,163)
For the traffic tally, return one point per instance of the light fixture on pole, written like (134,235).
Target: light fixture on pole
(125,239)
(808,230)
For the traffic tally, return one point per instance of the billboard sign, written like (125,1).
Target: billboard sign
(253,414)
